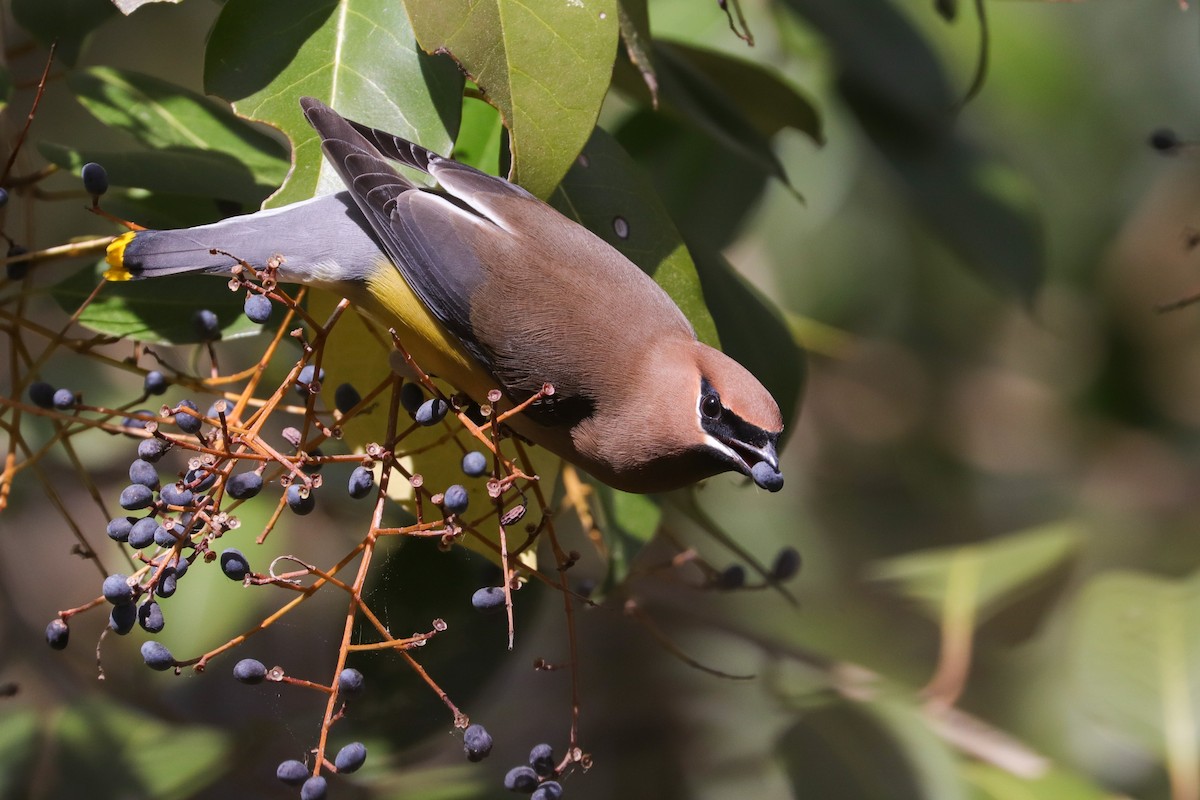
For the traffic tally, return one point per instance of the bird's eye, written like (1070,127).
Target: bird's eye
(710,406)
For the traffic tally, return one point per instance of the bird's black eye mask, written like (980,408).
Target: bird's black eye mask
(725,425)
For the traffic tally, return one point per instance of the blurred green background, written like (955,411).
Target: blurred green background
(968,470)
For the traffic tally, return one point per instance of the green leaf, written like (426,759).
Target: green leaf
(480,137)
(607,193)
(204,173)
(19,744)
(988,576)
(545,64)
(992,783)
(881,749)
(132,755)
(629,522)
(359,56)
(153,311)
(67,22)
(634,20)
(163,115)
(1133,664)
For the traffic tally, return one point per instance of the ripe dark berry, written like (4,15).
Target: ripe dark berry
(300,500)
(168,583)
(200,480)
(234,564)
(350,681)
(455,499)
(152,449)
(350,757)
(258,308)
(116,589)
(95,179)
(41,394)
(345,397)
(143,533)
(292,772)
(143,472)
(767,476)
(431,411)
(474,464)
(155,382)
(167,537)
(19,269)
(122,618)
(135,421)
(207,326)
(314,788)
(305,379)
(477,742)
(244,485)
(136,497)
(521,779)
(541,758)
(157,656)
(250,670)
(118,529)
(3,197)
(786,565)
(175,495)
(186,422)
(362,480)
(57,634)
(150,617)
(489,598)
(732,577)
(64,399)
(411,397)
(549,790)
(1164,140)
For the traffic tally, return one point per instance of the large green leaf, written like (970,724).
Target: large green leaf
(359,56)
(545,64)
(65,22)
(1134,662)
(629,522)
(606,192)
(160,114)
(986,576)
(992,783)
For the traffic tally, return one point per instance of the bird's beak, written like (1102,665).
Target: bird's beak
(761,464)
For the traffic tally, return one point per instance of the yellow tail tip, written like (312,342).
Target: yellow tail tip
(115,256)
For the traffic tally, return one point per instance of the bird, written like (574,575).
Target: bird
(488,287)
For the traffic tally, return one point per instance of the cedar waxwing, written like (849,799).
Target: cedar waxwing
(488,287)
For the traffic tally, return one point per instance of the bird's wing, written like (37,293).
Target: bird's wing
(436,241)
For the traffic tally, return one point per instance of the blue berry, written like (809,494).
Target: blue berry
(207,326)
(521,779)
(143,533)
(17,270)
(345,397)
(57,634)
(168,583)
(474,464)
(200,480)
(431,411)
(95,179)
(455,499)
(186,422)
(292,772)
(258,308)
(116,589)
(477,742)
(157,656)
(350,757)
(549,790)
(541,758)
(175,495)
(362,480)
(3,197)
(314,788)
(41,394)
(732,577)
(150,617)
(155,382)
(167,537)
(304,380)
(143,472)
(122,618)
(118,529)
(411,397)
(153,449)
(300,502)
(766,476)
(489,598)
(136,497)
(350,681)
(64,399)
(250,671)
(244,486)
(234,564)
(135,422)
(787,564)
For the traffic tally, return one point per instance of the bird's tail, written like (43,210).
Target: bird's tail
(152,254)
